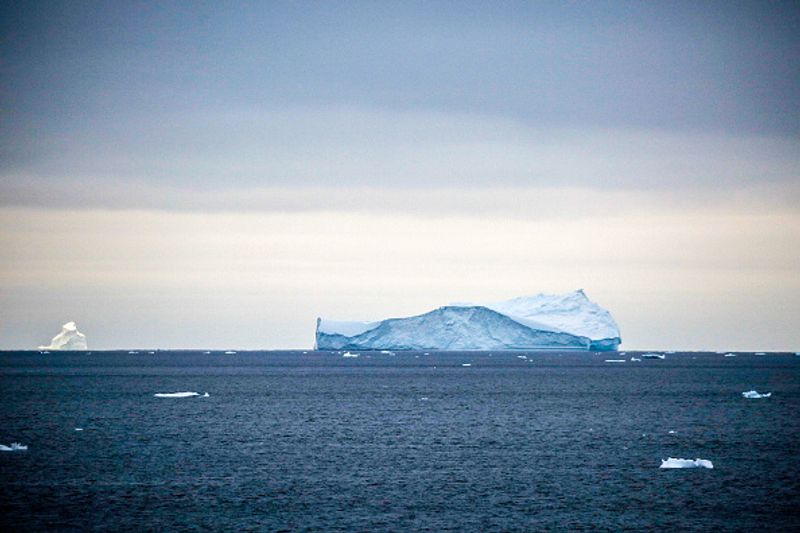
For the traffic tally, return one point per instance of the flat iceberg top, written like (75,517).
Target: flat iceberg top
(348,329)
(572,312)
(672,462)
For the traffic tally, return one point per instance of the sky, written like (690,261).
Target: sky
(217,175)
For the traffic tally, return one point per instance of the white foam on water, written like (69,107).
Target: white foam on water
(673,462)
(350,354)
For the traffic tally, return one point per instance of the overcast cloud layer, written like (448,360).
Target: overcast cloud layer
(362,159)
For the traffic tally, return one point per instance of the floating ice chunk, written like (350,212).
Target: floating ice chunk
(522,357)
(176,394)
(230,352)
(760,353)
(754,394)
(206,395)
(350,354)
(635,359)
(653,356)
(15,447)
(78,429)
(615,360)
(686,463)
(730,355)
(671,431)
(466,364)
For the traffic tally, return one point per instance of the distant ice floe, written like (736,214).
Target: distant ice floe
(15,447)
(730,355)
(755,394)
(230,352)
(760,353)
(615,361)
(180,395)
(653,356)
(350,354)
(466,364)
(78,429)
(672,462)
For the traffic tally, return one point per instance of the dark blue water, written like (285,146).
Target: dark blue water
(297,442)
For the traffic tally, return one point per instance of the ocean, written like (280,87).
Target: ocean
(293,441)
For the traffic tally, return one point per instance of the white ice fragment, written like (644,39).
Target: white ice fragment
(615,360)
(230,352)
(730,355)
(760,353)
(653,355)
(635,359)
(350,354)
(15,447)
(69,339)
(176,394)
(672,462)
(466,364)
(78,429)
(754,394)
(522,357)
(671,432)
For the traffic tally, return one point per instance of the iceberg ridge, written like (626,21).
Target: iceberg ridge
(568,322)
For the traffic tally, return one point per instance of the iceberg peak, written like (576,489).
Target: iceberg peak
(68,339)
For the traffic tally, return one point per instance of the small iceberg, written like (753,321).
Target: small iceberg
(78,429)
(755,394)
(350,354)
(68,339)
(615,360)
(178,394)
(466,364)
(729,355)
(653,356)
(230,352)
(15,447)
(672,462)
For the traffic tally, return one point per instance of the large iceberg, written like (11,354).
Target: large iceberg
(568,322)
(69,339)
